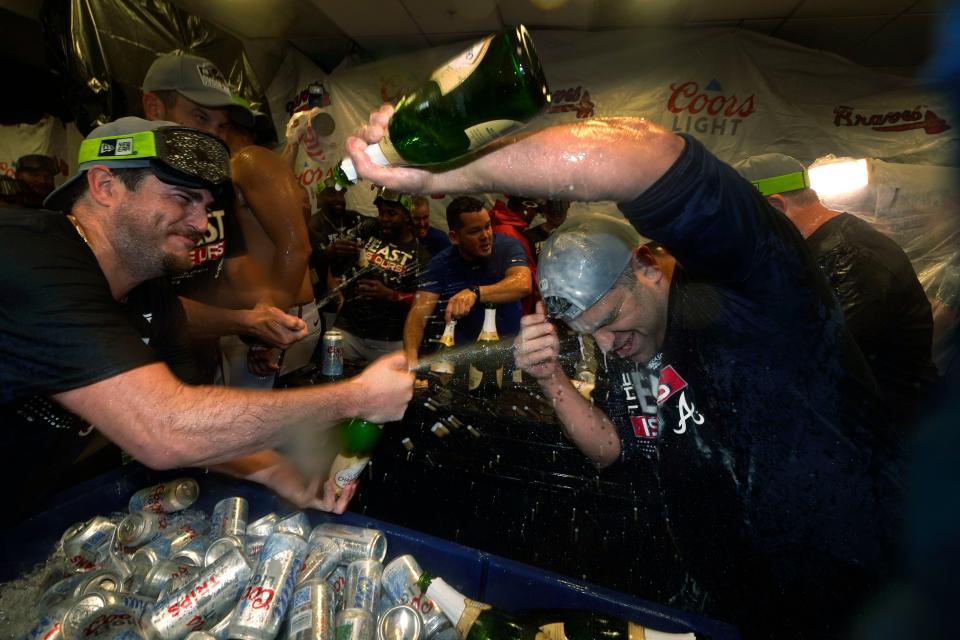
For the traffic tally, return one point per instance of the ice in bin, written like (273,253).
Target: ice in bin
(288,575)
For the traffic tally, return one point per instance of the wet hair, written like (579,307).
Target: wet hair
(801,197)
(463,204)
(131,179)
(418,201)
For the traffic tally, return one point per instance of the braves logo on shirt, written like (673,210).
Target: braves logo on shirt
(671,383)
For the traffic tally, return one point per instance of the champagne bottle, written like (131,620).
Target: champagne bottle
(444,367)
(585,378)
(491,89)
(485,377)
(478,621)
(358,438)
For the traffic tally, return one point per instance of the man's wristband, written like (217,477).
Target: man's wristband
(476,291)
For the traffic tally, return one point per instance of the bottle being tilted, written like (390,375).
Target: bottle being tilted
(358,439)
(486,92)
(478,621)
(444,367)
(485,376)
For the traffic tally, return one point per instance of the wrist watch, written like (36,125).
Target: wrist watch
(476,291)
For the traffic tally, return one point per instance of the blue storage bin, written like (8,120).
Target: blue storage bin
(486,577)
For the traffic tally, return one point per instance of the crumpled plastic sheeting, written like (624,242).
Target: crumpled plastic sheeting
(919,207)
(106,47)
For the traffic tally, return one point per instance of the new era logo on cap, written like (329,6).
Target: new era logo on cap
(118,147)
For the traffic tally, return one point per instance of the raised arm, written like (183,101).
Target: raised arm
(164,423)
(599,159)
(537,350)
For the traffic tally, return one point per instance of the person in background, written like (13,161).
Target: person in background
(271,207)
(35,174)
(884,305)
(429,237)
(92,333)
(555,214)
(216,292)
(511,219)
(388,265)
(783,495)
(11,196)
(481,267)
(333,240)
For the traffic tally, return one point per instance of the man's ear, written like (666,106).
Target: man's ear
(454,238)
(645,264)
(153,107)
(103,185)
(778,202)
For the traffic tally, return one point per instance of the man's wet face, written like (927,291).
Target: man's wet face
(474,238)
(420,221)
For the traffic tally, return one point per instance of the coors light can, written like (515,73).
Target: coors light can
(332,360)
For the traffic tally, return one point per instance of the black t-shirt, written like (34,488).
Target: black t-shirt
(61,329)
(885,308)
(779,471)
(224,239)
(397,265)
(627,393)
(324,232)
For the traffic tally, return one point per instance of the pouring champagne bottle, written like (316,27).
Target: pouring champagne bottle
(488,91)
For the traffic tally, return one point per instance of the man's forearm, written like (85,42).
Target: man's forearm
(207,321)
(510,289)
(413,330)
(587,427)
(600,159)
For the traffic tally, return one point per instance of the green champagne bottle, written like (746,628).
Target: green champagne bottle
(478,621)
(358,439)
(488,91)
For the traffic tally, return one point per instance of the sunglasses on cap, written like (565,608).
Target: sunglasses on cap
(178,155)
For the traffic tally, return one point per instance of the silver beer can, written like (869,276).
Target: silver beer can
(354,624)
(200,635)
(192,553)
(201,604)
(221,630)
(332,357)
(401,622)
(266,598)
(112,622)
(229,517)
(363,585)
(77,585)
(220,546)
(323,556)
(263,526)
(254,545)
(400,586)
(167,497)
(338,582)
(86,543)
(296,523)
(356,543)
(171,541)
(312,612)
(163,572)
(139,528)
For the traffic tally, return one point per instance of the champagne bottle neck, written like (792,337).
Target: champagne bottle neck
(448,334)
(462,611)
(489,331)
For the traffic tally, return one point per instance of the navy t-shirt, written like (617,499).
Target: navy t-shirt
(780,473)
(448,273)
(435,241)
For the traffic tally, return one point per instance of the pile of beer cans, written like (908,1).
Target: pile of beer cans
(165,572)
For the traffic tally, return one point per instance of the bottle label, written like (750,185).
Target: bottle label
(452,74)
(482,134)
(351,472)
(474,377)
(471,611)
(553,631)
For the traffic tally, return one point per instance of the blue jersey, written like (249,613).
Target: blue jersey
(448,273)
